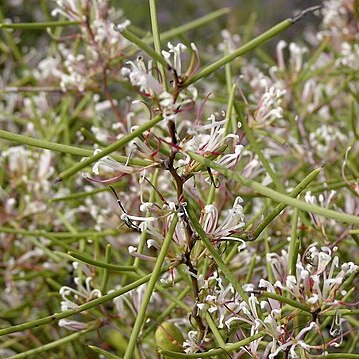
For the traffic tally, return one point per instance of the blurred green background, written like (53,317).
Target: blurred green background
(264,13)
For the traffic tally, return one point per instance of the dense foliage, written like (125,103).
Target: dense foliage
(178,199)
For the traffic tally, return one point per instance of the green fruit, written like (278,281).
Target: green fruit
(117,341)
(169,337)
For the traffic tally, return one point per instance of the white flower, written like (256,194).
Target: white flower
(273,327)
(110,163)
(296,57)
(250,310)
(349,56)
(230,42)
(337,23)
(19,159)
(216,138)
(135,219)
(280,57)
(205,143)
(72,298)
(316,283)
(233,221)
(174,59)
(175,52)
(323,200)
(72,324)
(229,160)
(47,68)
(268,108)
(70,9)
(336,328)
(223,301)
(122,26)
(141,75)
(325,139)
(191,344)
(274,305)
(279,265)
(294,342)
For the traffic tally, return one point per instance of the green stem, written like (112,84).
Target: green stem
(275,212)
(353,117)
(293,245)
(37,25)
(143,46)
(111,267)
(355,238)
(222,266)
(65,222)
(231,121)
(291,302)
(141,316)
(267,249)
(49,252)
(109,149)
(215,331)
(52,345)
(105,353)
(106,271)
(10,40)
(179,30)
(344,312)
(251,269)
(249,46)
(62,235)
(157,41)
(53,146)
(321,187)
(228,73)
(211,353)
(44,144)
(276,196)
(90,136)
(168,295)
